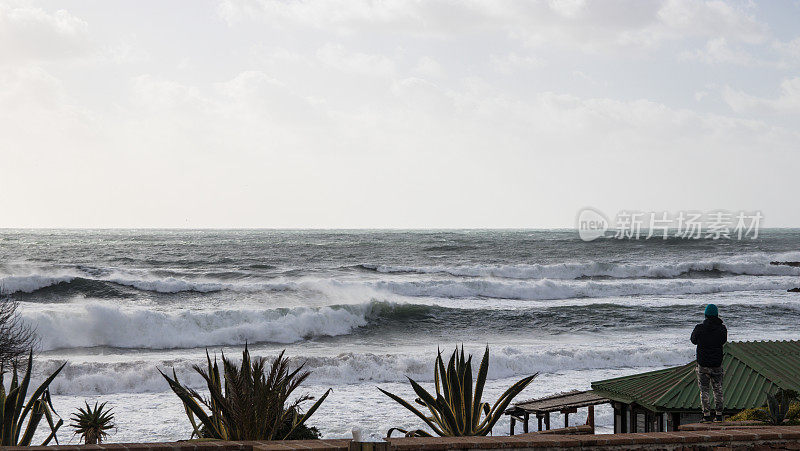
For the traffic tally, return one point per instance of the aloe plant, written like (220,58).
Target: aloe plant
(247,402)
(14,410)
(457,409)
(92,423)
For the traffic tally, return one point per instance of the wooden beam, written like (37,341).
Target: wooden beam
(511,427)
(525,424)
(547,421)
(566,420)
(539,417)
(590,418)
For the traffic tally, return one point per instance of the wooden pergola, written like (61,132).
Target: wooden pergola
(564,403)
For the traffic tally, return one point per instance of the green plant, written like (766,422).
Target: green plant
(456,409)
(781,408)
(778,406)
(92,423)
(254,404)
(14,410)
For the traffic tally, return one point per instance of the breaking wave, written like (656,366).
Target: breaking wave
(36,282)
(140,376)
(95,324)
(547,289)
(571,271)
(576,286)
(90,325)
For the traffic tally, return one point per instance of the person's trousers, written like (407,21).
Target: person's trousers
(710,379)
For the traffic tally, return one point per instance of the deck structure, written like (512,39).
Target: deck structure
(564,403)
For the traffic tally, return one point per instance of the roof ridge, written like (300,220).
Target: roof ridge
(677,383)
(649,373)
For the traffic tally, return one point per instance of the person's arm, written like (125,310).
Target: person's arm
(724,334)
(693,338)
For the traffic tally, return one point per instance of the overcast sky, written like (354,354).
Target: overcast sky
(394,113)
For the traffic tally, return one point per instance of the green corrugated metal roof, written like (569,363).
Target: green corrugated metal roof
(752,368)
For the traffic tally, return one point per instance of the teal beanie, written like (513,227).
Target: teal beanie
(711,310)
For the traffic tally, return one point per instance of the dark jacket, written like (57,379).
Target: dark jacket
(709,336)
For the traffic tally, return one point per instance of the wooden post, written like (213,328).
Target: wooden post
(547,421)
(511,428)
(539,417)
(590,418)
(525,424)
(566,419)
(676,421)
(623,418)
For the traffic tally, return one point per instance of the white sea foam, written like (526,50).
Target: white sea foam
(519,284)
(517,289)
(758,266)
(547,289)
(97,324)
(141,376)
(30,283)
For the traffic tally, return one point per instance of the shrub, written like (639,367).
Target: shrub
(248,402)
(92,423)
(782,408)
(456,410)
(14,410)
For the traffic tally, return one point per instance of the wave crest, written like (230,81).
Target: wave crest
(353,368)
(92,325)
(572,271)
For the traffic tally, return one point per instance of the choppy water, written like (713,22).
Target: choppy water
(366,308)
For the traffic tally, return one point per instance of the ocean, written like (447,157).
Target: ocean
(365,309)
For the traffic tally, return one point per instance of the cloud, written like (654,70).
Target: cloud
(429,67)
(33,100)
(368,113)
(253,147)
(31,34)
(336,56)
(787,101)
(788,51)
(591,26)
(712,18)
(717,51)
(512,62)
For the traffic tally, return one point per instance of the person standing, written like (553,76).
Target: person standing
(710,336)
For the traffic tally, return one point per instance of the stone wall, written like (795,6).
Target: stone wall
(716,437)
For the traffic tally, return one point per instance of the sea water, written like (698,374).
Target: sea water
(366,309)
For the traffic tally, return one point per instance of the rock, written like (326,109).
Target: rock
(795,264)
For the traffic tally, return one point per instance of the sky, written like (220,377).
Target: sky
(395,114)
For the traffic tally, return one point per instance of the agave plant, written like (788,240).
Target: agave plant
(457,410)
(778,407)
(254,404)
(14,410)
(92,423)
